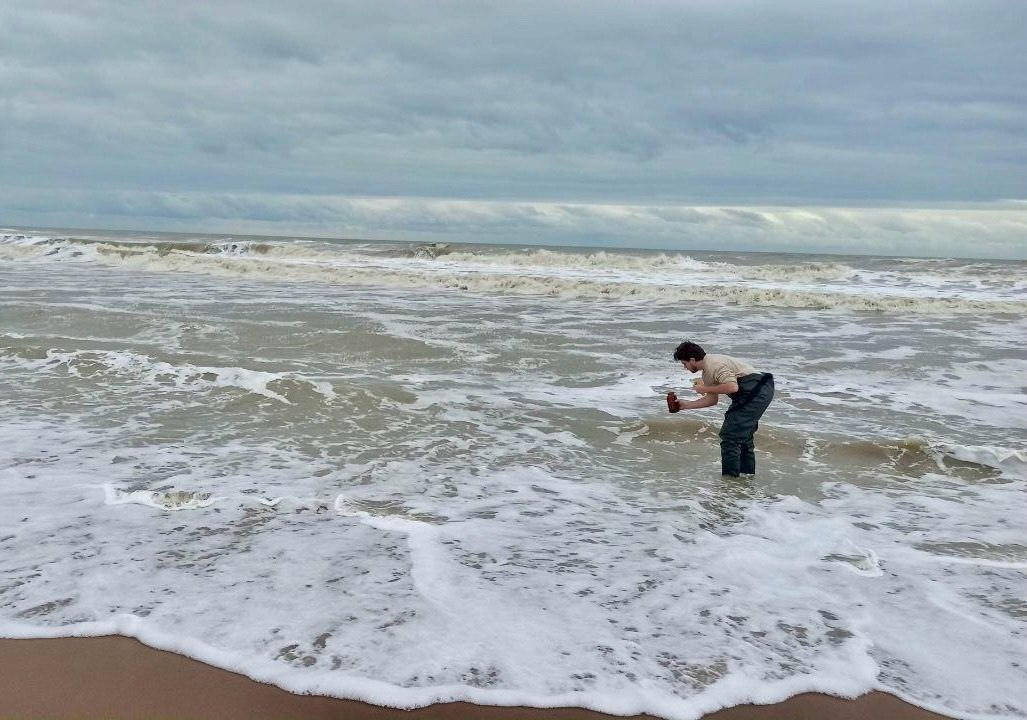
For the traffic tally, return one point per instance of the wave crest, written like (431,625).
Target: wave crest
(286,388)
(656,278)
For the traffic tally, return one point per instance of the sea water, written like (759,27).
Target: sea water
(419,473)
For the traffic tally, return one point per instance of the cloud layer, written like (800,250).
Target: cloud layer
(281,110)
(986,231)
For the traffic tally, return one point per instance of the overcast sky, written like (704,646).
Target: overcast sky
(788,124)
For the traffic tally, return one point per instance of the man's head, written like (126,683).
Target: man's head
(689,354)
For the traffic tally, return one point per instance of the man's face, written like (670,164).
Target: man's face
(690,365)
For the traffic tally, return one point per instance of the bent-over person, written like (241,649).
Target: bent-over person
(750,391)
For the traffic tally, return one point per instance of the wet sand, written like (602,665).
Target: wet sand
(118,678)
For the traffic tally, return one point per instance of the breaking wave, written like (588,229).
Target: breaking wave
(662,262)
(286,388)
(175,500)
(657,278)
(429,251)
(911,456)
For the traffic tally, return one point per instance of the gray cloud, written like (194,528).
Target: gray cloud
(655,103)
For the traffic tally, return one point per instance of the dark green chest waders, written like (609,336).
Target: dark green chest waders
(741,421)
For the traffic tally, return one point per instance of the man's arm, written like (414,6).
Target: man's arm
(727,388)
(705,401)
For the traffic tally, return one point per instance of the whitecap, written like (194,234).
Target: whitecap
(170,500)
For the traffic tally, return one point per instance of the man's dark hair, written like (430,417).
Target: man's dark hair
(688,350)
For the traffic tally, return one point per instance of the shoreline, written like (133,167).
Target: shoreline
(119,678)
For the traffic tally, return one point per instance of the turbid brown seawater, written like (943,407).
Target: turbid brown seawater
(422,474)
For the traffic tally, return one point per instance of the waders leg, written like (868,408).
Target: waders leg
(737,448)
(747,462)
(732,436)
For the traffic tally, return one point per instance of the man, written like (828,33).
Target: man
(750,391)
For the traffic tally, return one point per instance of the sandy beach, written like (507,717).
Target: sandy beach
(122,679)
